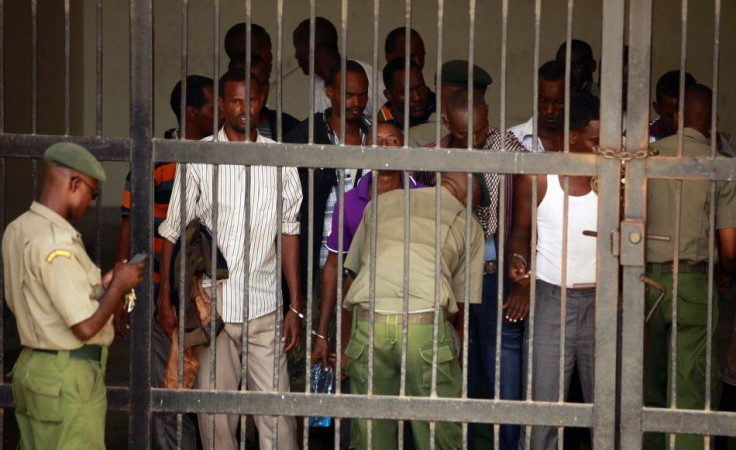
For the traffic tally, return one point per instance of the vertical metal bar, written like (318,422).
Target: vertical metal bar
(310,297)
(438,87)
(141,131)
(471,59)
(609,173)
(248,53)
(339,296)
(374,82)
(34,90)
(98,69)
(372,297)
(405,297)
(637,136)
(279,295)
(98,202)
(343,59)
(3,188)
(279,60)
(466,296)
(67,51)
(533,239)
(312,100)
(184,66)
(183,289)
(437,291)
(407,66)
(246,302)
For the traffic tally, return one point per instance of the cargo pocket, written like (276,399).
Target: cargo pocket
(692,293)
(357,366)
(43,398)
(445,358)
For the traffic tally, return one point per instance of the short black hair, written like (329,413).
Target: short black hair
(552,70)
(195,94)
(584,108)
(255,58)
(325,33)
(350,66)
(458,101)
(237,75)
(235,38)
(394,34)
(669,84)
(393,66)
(577,44)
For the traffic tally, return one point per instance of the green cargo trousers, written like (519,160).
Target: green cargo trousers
(386,378)
(692,338)
(60,401)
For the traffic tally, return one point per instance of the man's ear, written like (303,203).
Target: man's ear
(593,66)
(655,107)
(573,137)
(445,121)
(191,111)
(329,92)
(221,103)
(387,94)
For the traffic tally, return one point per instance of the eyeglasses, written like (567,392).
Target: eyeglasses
(95,192)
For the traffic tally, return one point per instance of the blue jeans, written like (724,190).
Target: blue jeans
(482,357)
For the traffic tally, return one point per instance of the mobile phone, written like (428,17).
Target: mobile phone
(138,257)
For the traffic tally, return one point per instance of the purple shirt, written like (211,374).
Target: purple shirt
(356,200)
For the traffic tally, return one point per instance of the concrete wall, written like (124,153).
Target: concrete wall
(201,41)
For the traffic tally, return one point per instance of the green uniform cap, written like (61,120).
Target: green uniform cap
(455,73)
(485,199)
(76,157)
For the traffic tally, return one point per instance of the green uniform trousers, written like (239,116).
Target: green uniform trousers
(692,338)
(386,378)
(60,401)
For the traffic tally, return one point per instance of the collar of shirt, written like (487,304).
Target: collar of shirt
(364,182)
(524,132)
(222,137)
(54,218)
(364,126)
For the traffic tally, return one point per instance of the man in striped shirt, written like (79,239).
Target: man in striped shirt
(259,304)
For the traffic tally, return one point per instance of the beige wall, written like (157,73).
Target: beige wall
(167,53)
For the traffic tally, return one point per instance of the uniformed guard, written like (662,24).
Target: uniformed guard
(63,308)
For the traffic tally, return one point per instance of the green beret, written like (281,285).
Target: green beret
(485,199)
(455,73)
(74,156)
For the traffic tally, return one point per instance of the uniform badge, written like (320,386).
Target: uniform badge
(56,253)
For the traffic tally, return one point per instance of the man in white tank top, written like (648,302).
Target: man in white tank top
(579,278)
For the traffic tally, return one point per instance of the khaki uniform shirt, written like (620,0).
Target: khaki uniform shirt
(424,133)
(390,254)
(50,282)
(695,205)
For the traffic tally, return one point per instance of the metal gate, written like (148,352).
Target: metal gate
(617,418)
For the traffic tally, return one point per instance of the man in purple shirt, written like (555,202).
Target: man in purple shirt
(388,134)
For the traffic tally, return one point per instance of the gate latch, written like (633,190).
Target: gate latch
(632,243)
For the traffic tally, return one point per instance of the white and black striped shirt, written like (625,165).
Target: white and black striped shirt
(231,226)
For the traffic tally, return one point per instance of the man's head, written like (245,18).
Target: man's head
(667,94)
(356,90)
(584,123)
(232,101)
(455,78)
(260,42)
(551,100)
(394,79)
(582,64)
(71,179)
(457,184)
(326,51)
(200,105)
(457,119)
(697,108)
(395,46)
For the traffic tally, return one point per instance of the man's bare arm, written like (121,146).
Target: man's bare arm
(292,274)
(727,250)
(328,298)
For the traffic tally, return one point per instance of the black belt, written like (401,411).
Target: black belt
(683,266)
(88,351)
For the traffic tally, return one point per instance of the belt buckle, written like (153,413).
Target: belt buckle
(490,267)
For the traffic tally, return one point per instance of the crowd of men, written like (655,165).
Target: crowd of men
(57,331)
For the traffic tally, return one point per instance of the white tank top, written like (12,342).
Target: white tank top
(581,250)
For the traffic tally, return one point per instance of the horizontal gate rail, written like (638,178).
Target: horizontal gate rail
(33,146)
(375,407)
(303,155)
(689,421)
